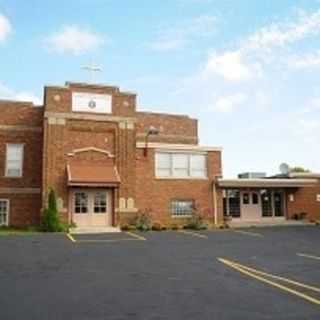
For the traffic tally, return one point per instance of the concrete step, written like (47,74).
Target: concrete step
(90,230)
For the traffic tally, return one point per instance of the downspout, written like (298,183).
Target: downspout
(215,209)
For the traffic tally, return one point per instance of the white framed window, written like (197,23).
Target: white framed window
(180,165)
(182,208)
(14,160)
(4,212)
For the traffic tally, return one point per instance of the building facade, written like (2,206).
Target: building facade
(99,154)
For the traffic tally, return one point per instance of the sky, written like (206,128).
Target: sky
(249,70)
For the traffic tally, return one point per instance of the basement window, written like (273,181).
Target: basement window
(182,208)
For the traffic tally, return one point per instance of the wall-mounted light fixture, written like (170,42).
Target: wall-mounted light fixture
(152,131)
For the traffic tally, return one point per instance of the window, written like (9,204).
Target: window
(14,160)
(246,198)
(266,203)
(4,212)
(181,165)
(231,203)
(81,202)
(100,202)
(163,164)
(182,208)
(255,198)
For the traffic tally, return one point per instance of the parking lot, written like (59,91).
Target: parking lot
(223,274)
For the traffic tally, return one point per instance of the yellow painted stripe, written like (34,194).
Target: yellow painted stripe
(194,234)
(71,238)
(106,240)
(132,234)
(308,256)
(296,283)
(249,233)
(272,283)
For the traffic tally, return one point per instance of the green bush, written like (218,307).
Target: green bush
(50,220)
(143,222)
(196,223)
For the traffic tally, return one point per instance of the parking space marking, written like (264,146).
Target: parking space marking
(71,238)
(310,256)
(255,275)
(133,237)
(249,233)
(194,234)
(296,283)
(132,234)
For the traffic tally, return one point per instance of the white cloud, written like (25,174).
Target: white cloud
(182,34)
(309,60)
(75,40)
(281,34)
(5,28)
(227,104)
(229,65)
(9,94)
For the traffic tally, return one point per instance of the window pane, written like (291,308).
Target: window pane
(81,202)
(180,165)
(255,198)
(100,202)
(245,198)
(163,164)
(198,165)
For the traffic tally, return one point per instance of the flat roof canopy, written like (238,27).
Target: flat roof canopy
(92,176)
(266,183)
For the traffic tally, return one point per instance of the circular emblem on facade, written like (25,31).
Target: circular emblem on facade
(92,104)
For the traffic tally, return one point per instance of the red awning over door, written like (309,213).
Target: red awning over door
(92,176)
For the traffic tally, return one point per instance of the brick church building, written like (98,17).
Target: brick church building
(108,162)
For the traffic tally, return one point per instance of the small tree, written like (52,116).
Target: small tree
(50,219)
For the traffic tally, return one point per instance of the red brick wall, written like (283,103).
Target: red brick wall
(172,128)
(155,195)
(22,124)
(24,209)
(305,201)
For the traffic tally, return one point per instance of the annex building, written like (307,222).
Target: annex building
(109,162)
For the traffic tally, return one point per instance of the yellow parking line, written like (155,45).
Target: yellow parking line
(135,235)
(71,238)
(106,240)
(272,283)
(308,256)
(296,283)
(249,233)
(194,234)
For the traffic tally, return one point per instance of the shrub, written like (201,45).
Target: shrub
(174,227)
(50,219)
(143,222)
(157,226)
(196,223)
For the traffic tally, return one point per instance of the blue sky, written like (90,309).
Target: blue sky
(248,70)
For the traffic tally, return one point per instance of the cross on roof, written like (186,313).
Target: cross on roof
(93,69)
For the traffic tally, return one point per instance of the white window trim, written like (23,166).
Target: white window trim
(8,211)
(21,164)
(189,177)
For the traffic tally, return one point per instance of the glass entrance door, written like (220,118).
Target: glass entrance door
(91,207)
